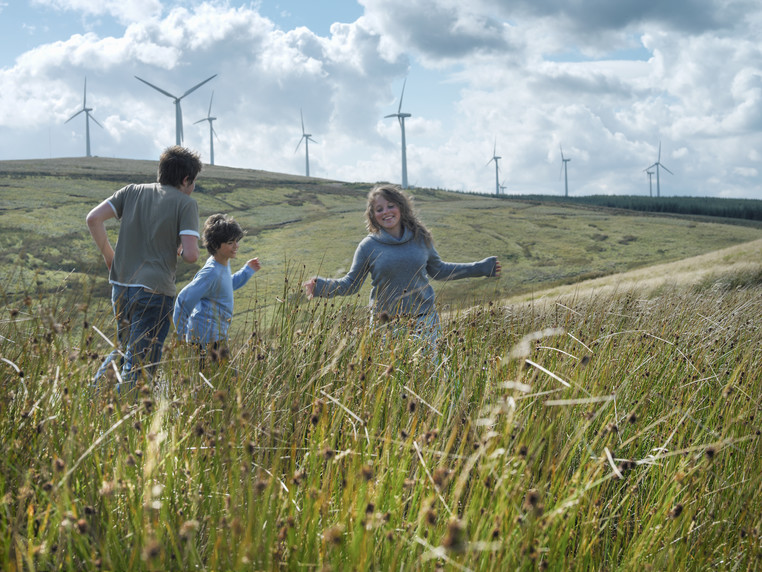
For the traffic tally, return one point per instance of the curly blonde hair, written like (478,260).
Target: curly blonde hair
(408,217)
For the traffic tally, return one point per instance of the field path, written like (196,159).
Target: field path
(745,257)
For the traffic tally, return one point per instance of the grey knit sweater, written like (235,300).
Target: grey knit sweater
(400,270)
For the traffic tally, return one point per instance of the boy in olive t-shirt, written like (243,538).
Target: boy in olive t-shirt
(158,222)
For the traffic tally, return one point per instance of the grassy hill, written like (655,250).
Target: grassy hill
(301,226)
(608,424)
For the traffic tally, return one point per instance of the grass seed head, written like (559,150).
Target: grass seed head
(334,534)
(188,528)
(455,537)
(151,550)
(441,476)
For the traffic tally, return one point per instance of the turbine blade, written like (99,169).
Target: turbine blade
(195,87)
(84,98)
(156,88)
(96,121)
(299,144)
(209,113)
(392,115)
(668,171)
(302,116)
(73,116)
(399,110)
(200,120)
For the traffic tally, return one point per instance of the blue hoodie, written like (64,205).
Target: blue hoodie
(400,270)
(204,308)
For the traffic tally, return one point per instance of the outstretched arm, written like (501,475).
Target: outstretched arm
(349,284)
(241,277)
(96,223)
(440,270)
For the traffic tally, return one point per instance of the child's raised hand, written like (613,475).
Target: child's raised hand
(254,264)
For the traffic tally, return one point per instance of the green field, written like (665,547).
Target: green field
(608,424)
(300,227)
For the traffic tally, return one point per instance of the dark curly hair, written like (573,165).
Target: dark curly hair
(219,229)
(176,163)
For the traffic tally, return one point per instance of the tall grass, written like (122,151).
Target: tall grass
(610,432)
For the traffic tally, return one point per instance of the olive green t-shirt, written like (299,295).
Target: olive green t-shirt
(153,217)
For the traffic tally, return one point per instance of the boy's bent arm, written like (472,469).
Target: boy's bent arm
(96,223)
(190,247)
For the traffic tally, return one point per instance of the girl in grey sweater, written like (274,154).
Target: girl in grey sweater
(400,256)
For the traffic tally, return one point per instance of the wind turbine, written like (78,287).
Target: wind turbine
(402,116)
(86,110)
(178,109)
(650,184)
(657,165)
(564,161)
(306,137)
(495,158)
(212,132)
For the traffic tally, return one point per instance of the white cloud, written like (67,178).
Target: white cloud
(531,75)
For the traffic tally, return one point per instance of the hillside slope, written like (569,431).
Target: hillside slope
(301,226)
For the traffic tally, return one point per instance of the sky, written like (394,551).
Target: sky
(616,85)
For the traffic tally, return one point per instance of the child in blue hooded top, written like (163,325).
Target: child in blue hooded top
(204,308)
(400,256)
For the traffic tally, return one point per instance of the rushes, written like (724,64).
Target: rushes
(305,451)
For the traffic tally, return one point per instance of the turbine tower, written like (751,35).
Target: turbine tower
(495,158)
(402,116)
(86,110)
(564,161)
(658,165)
(178,109)
(306,137)
(650,183)
(212,132)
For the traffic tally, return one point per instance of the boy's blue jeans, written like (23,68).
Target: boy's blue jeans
(142,325)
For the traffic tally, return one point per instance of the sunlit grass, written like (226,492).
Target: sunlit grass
(612,431)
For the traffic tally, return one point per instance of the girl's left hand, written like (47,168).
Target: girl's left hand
(254,264)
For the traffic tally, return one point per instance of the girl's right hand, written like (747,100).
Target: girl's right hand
(309,287)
